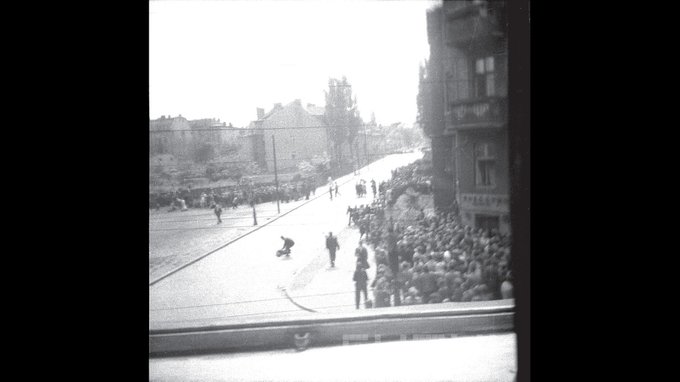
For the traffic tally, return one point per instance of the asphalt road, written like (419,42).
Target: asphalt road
(177,238)
(245,278)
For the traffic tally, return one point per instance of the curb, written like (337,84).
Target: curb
(385,324)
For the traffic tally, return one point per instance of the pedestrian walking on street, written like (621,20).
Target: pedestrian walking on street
(373,188)
(330,190)
(360,284)
(332,245)
(336,188)
(364,227)
(350,212)
(218,212)
(362,255)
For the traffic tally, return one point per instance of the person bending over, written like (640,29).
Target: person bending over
(287,244)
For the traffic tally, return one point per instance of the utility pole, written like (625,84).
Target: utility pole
(368,160)
(252,203)
(456,169)
(254,214)
(276,175)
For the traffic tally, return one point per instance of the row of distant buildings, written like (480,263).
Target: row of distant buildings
(180,138)
(466,112)
(298,130)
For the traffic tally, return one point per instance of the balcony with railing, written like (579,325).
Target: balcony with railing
(472,24)
(488,112)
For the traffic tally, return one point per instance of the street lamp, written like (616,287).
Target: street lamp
(252,203)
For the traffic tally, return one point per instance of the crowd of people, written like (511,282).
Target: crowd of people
(232,196)
(440,260)
(436,259)
(432,259)
(360,188)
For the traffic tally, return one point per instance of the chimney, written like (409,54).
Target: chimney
(260,113)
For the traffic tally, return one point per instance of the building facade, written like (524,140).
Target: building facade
(185,139)
(300,134)
(170,136)
(466,110)
(208,131)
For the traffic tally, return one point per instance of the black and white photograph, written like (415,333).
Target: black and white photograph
(330,191)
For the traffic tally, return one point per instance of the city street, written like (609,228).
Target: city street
(177,238)
(246,94)
(245,279)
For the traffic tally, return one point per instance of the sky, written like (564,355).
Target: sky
(225,58)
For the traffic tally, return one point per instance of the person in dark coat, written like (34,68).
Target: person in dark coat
(360,283)
(428,283)
(382,294)
(332,245)
(393,262)
(362,255)
(287,244)
(350,212)
(363,227)
(218,212)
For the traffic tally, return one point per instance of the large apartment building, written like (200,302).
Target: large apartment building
(467,110)
(299,133)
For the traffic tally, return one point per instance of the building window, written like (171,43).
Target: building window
(457,80)
(485,169)
(485,77)
(500,73)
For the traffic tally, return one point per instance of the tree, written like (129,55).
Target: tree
(423,99)
(306,169)
(342,117)
(211,172)
(204,153)
(229,148)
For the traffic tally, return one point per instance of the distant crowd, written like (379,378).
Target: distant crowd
(412,176)
(231,196)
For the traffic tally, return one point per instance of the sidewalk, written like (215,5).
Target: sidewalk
(331,290)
